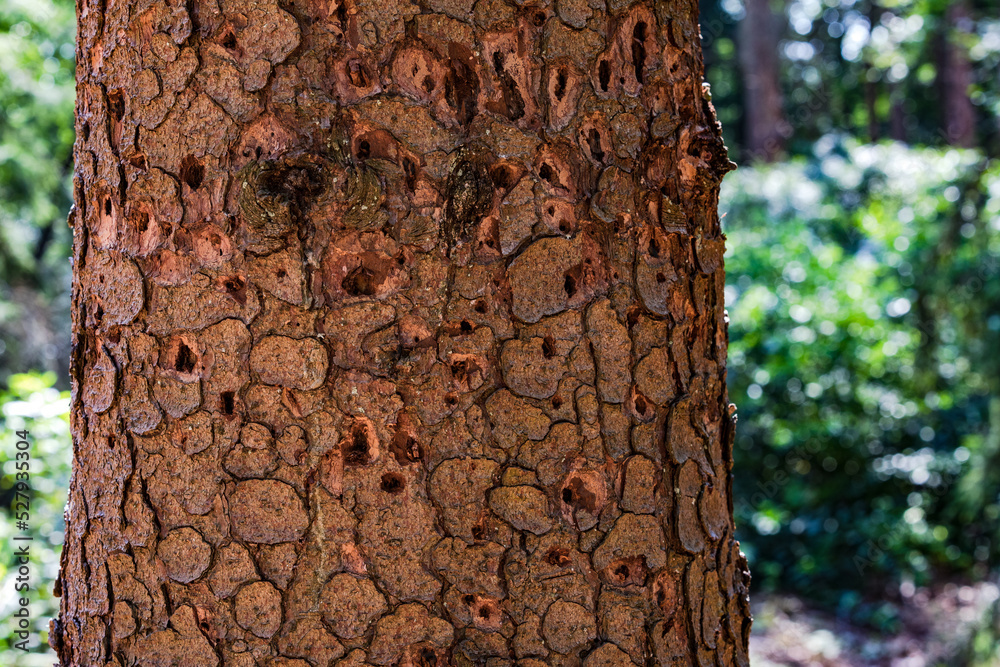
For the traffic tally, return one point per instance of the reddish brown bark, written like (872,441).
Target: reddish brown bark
(399,339)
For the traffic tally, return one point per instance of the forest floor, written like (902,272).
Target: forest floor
(940,626)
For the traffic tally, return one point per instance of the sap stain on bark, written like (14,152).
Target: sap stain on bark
(275,194)
(469,195)
(363,195)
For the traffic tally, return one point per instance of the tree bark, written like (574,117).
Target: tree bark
(398,339)
(763,116)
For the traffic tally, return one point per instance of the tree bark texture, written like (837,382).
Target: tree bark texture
(398,338)
(764,118)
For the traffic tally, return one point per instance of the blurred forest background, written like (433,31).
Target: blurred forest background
(863,292)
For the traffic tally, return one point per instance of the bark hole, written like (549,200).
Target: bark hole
(359,282)
(548,347)
(410,173)
(466,327)
(660,278)
(632,316)
(427,658)
(577,495)
(405,448)
(639,49)
(570,285)
(451,399)
(116,103)
(461,88)
(357,449)
(185,360)
(557,402)
(642,407)
(654,247)
(139,220)
(86,131)
(229,41)
(558,556)
(561,81)
(594,142)
(192,172)
(235,287)
(504,177)
(356,74)
(670,35)
(480,307)
(227,402)
(342,17)
(604,75)
(462,369)
(547,173)
(393,483)
(364,150)
(512,98)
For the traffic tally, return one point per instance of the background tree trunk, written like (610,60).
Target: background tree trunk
(398,339)
(764,118)
(955,78)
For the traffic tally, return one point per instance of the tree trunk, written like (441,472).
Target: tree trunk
(764,119)
(955,78)
(398,339)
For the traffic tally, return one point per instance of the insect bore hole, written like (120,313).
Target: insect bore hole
(186,359)
(569,285)
(393,483)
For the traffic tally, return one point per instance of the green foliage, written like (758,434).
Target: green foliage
(30,402)
(864,301)
(36,140)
